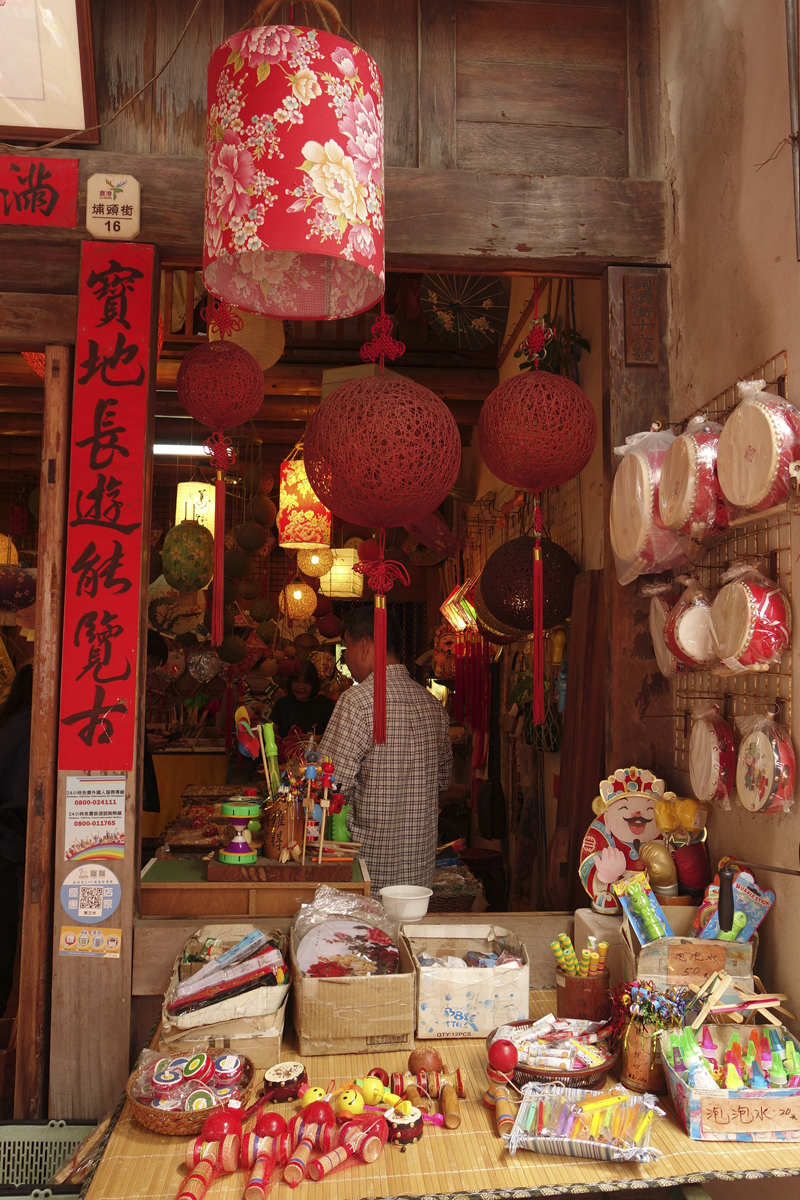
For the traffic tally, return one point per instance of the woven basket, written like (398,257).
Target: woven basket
(455,902)
(185,1124)
(586,1077)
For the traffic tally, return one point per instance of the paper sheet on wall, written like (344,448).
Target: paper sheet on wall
(94,827)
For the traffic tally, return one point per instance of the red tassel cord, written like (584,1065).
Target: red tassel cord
(381,577)
(220,451)
(538,634)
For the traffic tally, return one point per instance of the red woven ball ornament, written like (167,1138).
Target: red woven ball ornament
(221,385)
(382,451)
(537,430)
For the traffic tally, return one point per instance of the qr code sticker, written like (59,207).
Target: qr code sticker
(90,902)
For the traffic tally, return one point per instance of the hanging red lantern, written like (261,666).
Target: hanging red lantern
(381,451)
(294,174)
(221,385)
(537,430)
(304,523)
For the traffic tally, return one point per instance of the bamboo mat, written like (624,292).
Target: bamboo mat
(138,1165)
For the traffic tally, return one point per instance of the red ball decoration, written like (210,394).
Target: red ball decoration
(324,606)
(329,626)
(219,1124)
(319,1112)
(369,550)
(507,583)
(537,430)
(382,451)
(270,1124)
(503,1056)
(220,384)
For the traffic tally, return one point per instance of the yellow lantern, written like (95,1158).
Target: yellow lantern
(315,563)
(263,337)
(297,601)
(8,551)
(304,523)
(342,582)
(195,502)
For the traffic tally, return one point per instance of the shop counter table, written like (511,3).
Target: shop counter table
(467,1162)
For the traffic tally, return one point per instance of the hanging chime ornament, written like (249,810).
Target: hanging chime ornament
(294,173)
(398,460)
(537,430)
(220,384)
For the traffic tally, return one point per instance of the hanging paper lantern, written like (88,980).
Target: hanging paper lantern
(315,563)
(342,581)
(537,430)
(8,551)
(297,601)
(294,175)
(304,523)
(250,536)
(220,385)
(260,336)
(188,556)
(507,584)
(203,665)
(262,510)
(17,588)
(195,502)
(382,451)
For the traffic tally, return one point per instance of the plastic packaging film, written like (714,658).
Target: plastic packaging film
(663,598)
(765,767)
(712,759)
(640,542)
(688,634)
(690,498)
(760,440)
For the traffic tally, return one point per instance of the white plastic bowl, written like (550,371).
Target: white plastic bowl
(406,903)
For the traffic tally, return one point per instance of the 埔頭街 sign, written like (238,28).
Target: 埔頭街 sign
(104,523)
(38,191)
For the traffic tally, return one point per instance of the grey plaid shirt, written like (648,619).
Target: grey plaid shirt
(394,788)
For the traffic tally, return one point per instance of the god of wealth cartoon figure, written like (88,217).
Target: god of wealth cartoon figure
(625,820)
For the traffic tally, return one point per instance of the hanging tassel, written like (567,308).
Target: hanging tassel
(538,636)
(218,609)
(379,674)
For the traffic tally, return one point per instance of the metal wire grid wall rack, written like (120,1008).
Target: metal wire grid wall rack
(763,542)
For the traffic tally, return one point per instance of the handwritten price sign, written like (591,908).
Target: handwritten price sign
(730,1115)
(690,961)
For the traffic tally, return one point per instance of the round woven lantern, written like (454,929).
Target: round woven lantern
(266,630)
(258,481)
(8,551)
(260,609)
(232,649)
(297,601)
(294,174)
(537,430)
(330,626)
(493,623)
(260,336)
(237,564)
(323,606)
(398,460)
(228,620)
(496,639)
(251,589)
(507,584)
(220,385)
(315,563)
(250,536)
(188,556)
(262,510)
(288,666)
(230,593)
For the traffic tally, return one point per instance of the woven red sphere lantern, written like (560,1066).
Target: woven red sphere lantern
(294,176)
(506,584)
(537,430)
(382,451)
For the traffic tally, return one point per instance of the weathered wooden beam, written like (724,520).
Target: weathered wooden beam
(434,218)
(437,84)
(33,1023)
(645,159)
(34,319)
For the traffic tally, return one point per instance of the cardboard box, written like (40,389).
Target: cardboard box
(467,1002)
(356,1013)
(743,1115)
(249,1024)
(683,959)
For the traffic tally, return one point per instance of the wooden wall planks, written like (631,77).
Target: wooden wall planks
(123,36)
(437,84)
(388,31)
(178,123)
(544,33)
(545,149)
(540,94)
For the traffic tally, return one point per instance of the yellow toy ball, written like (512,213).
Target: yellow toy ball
(310,1095)
(350,1102)
(371,1089)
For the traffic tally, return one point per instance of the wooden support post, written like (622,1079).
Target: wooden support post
(639,728)
(33,1021)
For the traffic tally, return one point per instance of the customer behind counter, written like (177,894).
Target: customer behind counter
(394,788)
(302,706)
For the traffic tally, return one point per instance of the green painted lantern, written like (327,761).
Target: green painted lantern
(188,556)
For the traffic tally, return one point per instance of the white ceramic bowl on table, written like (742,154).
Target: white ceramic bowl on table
(406,903)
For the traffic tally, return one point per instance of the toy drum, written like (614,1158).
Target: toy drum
(690,499)
(660,607)
(404,1127)
(712,759)
(639,540)
(765,769)
(760,440)
(283,1081)
(688,632)
(752,624)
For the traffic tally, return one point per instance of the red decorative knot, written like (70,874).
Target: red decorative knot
(220,450)
(219,315)
(383,574)
(382,345)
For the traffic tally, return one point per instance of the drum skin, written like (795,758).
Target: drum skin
(760,440)
(752,622)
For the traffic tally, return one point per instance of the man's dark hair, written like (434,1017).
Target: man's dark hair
(360,622)
(157,648)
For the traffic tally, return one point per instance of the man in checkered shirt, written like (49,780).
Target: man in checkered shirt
(394,788)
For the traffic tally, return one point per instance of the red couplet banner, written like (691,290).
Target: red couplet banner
(104,540)
(38,191)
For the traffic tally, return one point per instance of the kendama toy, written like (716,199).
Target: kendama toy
(327,783)
(215,1159)
(503,1057)
(310,775)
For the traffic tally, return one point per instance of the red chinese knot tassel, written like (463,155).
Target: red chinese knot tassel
(220,451)
(538,635)
(381,575)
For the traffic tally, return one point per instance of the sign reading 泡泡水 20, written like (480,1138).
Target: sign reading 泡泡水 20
(104,523)
(38,191)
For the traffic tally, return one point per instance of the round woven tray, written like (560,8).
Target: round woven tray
(185,1124)
(586,1077)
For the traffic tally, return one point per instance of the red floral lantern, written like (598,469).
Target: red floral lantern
(294,175)
(304,523)
(221,385)
(537,430)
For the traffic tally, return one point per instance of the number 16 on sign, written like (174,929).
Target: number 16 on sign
(113,207)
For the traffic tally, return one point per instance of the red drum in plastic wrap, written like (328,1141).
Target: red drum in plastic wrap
(765,769)
(712,759)
(752,623)
(688,632)
(640,542)
(760,439)
(690,498)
